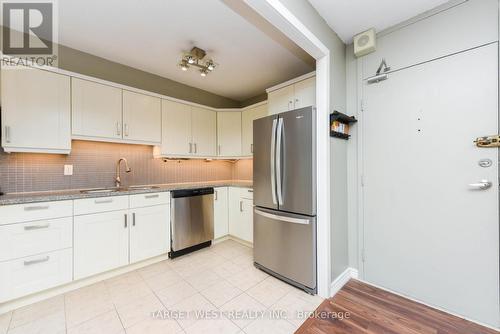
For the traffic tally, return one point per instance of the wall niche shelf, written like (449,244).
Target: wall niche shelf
(340,124)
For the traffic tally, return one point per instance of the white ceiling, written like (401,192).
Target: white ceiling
(151,35)
(350,17)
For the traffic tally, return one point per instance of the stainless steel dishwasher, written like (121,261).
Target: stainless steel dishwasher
(192,218)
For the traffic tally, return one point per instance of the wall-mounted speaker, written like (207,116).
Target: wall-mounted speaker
(365,43)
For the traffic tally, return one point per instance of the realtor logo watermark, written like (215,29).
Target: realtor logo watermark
(29,32)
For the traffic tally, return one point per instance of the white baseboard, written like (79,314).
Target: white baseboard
(431,306)
(342,279)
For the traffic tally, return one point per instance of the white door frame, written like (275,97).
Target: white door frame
(279,16)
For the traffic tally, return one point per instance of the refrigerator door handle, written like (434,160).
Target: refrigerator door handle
(273,157)
(282,218)
(279,181)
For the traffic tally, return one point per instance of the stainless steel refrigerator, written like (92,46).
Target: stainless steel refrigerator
(284,167)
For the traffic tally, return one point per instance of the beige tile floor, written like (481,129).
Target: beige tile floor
(219,282)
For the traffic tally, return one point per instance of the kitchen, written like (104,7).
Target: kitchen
(233,175)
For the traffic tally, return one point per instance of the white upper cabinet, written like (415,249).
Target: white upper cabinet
(281,100)
(176,129)
(296,95)
(204,131)
(141,118)
(305,93)
(229,134)
(247,118)
(36,114)
(96,110)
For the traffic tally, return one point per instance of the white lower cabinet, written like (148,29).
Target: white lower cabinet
(241,214)
(221,211)
(21,277)
(149,232)
(101,242)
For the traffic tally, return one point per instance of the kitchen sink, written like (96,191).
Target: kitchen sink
(110,190)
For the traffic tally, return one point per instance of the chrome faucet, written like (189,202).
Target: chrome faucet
(118,180)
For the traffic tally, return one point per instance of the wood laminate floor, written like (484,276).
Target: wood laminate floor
(374,311)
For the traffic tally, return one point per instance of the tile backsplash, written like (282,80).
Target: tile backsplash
(94,166)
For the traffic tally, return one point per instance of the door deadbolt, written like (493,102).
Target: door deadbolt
(485,163)
(488,141)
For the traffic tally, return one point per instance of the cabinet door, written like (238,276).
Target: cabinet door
(234,211)
(96,110)
(305,93)
(101,242)
(204,131)
(280,100)
(149,232)
(246,221)
(36,114)
(176,129)
(141,118)
(247,118)
(229,134)
(221,213)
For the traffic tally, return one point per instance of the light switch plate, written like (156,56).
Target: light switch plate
(68,169)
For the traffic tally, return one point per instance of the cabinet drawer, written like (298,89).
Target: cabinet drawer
(246,193)
(32,274)
(150,199)
(35,211)
(100,204)
(20,240)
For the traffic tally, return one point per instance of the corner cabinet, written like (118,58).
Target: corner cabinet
(229,134)
(241,213)
(299,94)
(247,118)
(221,211)
(187,131)
(36,114)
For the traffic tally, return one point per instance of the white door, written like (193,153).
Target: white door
(229,134)
(246,223)
(204,131)
(176,129)
(428,234)
(280,100)
(96,110)
(149,232)
(305,93)
(221,212)
(141,118)
(35,111)
(101,242)
(247,118)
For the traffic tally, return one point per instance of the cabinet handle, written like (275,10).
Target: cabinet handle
(250,190)
(133,219)
(126,220)
(290,105)
(103,201)
(241,206)
(251,148)
(118,130)
(216,192)
(190,147)
(36,227)
(151,196)
(31,262)
(195,148)
(218,149)
(7,134)
(126,129)
(36,208)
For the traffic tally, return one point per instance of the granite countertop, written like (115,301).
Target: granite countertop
(63,195)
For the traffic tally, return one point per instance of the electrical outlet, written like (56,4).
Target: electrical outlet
(68,169)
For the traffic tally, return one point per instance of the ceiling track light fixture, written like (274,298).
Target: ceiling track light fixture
(195,58)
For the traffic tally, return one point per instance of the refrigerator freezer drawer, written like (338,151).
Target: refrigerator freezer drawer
(285,244)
